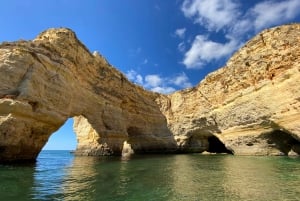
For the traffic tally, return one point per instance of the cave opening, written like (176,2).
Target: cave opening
(216,146)
(134,132)
(283,141)
(134,139)
(63,139)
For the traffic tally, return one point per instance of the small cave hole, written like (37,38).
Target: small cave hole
(216,146)
(133,132)
(249,144)
(34,105)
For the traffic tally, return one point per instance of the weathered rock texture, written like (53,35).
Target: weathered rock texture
(250,106)
(54,77)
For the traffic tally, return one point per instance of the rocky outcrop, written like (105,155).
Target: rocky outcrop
(250,106)
(54,77)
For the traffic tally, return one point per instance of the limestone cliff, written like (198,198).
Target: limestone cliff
(250,106)
(45,81)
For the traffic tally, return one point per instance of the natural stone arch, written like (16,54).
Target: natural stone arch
(54,77)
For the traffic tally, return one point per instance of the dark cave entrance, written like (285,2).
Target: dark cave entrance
(134,139)
(216,146)
(283,141)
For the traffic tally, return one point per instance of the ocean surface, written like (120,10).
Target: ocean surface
(58,175)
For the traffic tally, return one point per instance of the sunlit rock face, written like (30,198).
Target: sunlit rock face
(45,81)
(251,106)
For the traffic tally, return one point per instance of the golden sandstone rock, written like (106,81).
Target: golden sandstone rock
(249,107)
(252,104)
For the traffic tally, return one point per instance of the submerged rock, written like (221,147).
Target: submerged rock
(251,106)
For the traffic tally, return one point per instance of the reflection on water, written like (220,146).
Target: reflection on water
(50,173)
(61,176)
(247,178)
(224,177)
(262,178)
(198,177)
(79,183)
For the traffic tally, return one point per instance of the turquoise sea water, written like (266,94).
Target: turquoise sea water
(58,175)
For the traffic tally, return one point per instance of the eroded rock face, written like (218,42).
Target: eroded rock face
(45,81)
(250,106)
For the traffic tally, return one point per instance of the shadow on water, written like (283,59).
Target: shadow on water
(61,176)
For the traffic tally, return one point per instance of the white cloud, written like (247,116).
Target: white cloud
(131,74)
(204,50)
(180,32)
(134,77)
(181,80)
(270,13)
(153,80)
(213,14)
(158,83)
(139,79)
(239,29)
(236,25)
(163,90)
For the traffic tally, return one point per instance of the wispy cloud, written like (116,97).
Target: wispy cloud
(135,77)
(145,61)
(204,50)
(181,80)
(153,81)
(180,32)
(181,47)
(157,83)
(163,89)
(234,22)
(270,13)
(135,52)
(213,14)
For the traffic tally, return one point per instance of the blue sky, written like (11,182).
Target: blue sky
(163,45)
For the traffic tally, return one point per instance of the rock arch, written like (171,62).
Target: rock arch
(54,77)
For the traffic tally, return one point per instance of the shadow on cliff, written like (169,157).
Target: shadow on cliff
(283,141)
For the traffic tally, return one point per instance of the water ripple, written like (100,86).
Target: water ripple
(61,176)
